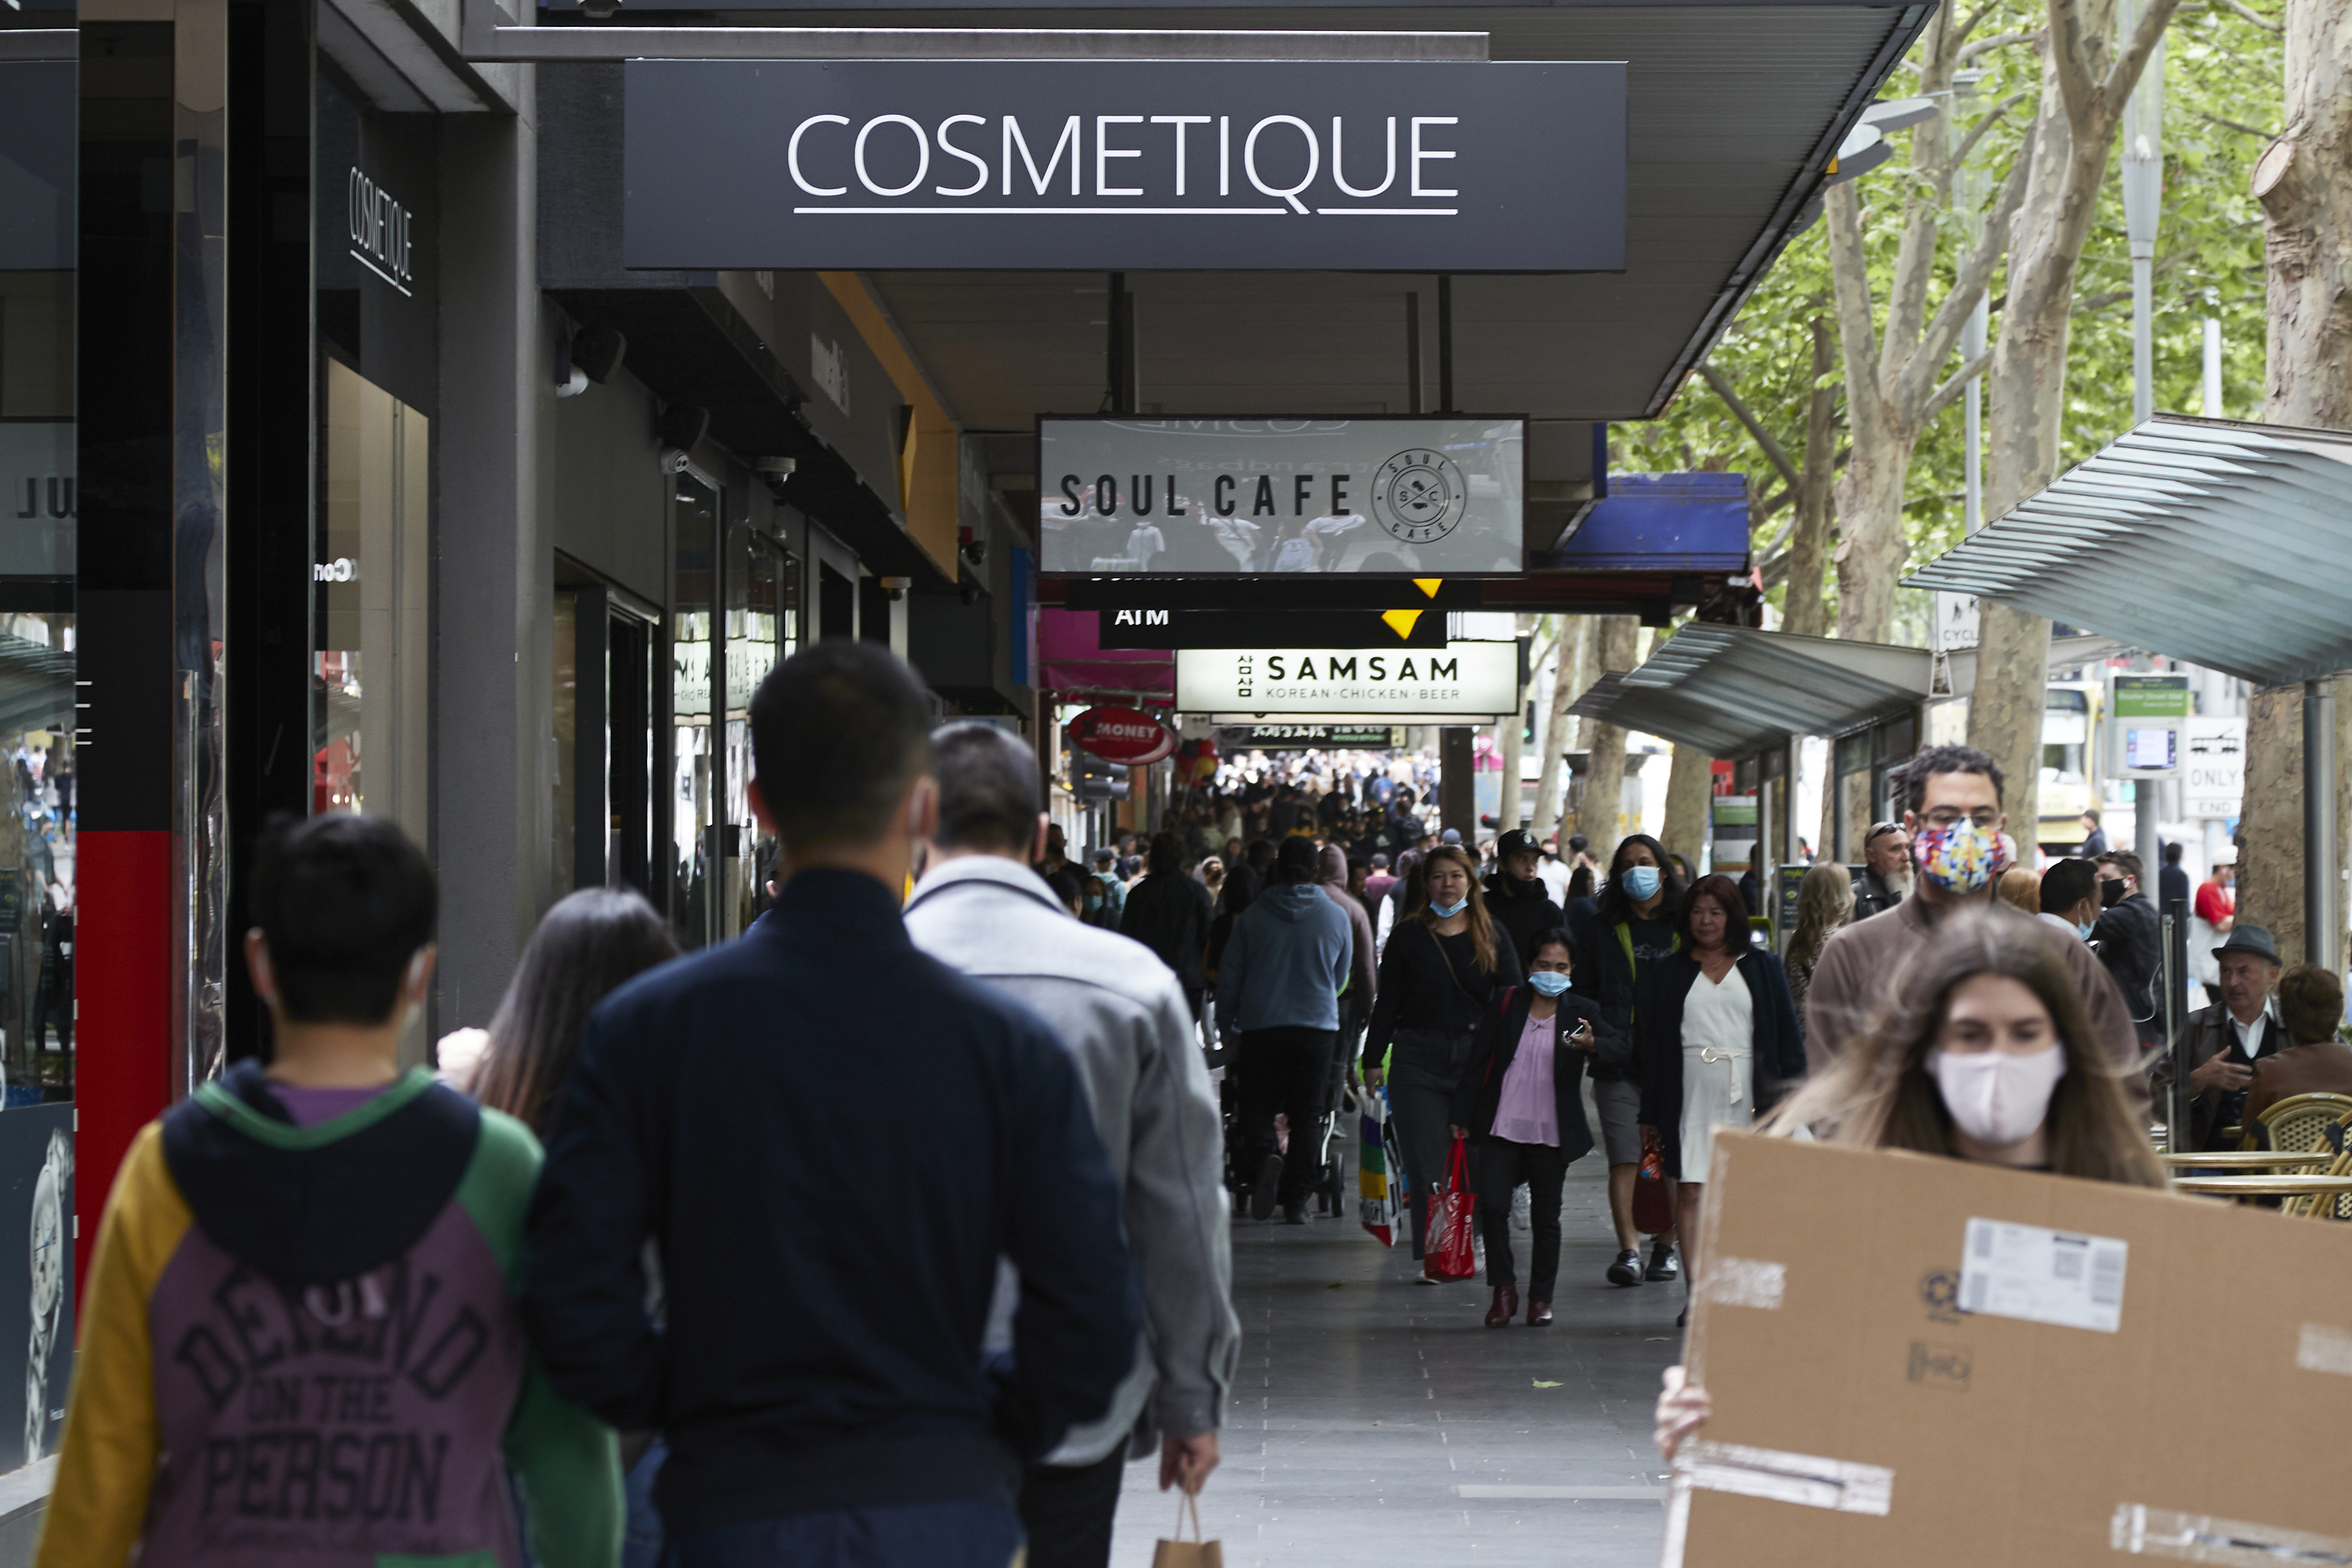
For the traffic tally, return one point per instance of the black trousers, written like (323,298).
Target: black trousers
(1422,1067)
(1498,1166)
(1284,1070)
(1066,1511)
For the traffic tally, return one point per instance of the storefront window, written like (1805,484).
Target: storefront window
(371,751)
(692,802)
(763,627)
(37,512)
(722,863)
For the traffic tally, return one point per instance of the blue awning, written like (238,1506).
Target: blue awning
(1658,522)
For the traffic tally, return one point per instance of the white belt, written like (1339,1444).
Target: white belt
(1711,1054)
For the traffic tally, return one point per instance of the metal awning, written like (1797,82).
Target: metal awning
(1732,692)
(2217,541)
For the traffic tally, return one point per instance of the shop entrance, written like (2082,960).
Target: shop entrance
(602,822)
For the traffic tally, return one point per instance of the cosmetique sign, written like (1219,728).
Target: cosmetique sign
(1215,165)
(1376,683)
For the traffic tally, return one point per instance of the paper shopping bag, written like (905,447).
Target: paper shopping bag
(1197,1553)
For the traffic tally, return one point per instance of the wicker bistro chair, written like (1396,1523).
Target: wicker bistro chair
(2303,1123)
(2338,1207)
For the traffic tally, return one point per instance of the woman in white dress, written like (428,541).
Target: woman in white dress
(1719,1044)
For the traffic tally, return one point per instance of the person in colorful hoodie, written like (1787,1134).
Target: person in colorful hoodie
(300,1342)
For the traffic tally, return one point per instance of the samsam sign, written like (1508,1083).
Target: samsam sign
(1387,682)
(1210,166)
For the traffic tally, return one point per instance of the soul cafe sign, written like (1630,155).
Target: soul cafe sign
(1122,735)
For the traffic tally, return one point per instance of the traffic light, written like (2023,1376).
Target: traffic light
(1095,780)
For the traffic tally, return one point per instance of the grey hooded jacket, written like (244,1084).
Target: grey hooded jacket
(1123,1019)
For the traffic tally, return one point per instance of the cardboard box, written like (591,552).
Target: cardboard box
(1917,1362)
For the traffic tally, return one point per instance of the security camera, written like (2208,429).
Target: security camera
(975,550)
(597,352)
(896,586)
(682,424)
(598,10)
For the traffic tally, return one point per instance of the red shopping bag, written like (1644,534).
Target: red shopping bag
(1450,1251)
(1653,1211)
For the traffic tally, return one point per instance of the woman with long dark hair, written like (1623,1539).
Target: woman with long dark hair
(1632,928)
(584,948)
(1719,1044)
(1987,1054)
(1443,966)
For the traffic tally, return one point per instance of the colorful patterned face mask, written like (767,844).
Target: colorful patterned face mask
(1962,858)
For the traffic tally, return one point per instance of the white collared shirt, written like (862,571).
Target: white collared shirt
(2250,1035)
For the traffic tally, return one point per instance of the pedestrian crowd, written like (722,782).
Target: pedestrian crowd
(893,1232)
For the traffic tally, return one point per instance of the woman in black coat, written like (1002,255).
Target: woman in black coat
(1518,1133)
(1715,1049)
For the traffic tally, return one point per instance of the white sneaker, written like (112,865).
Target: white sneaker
(1522,1207)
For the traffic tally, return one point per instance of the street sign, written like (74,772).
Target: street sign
(1392,685)
(1398,497)
(2213,784)
(1279,594)
(1253,628)
(2146,715)
(1310,737)
(1957,622)
(1122,735)
(1138,165)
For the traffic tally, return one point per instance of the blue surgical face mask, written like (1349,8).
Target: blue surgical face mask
(1448,910)
(2082,928)
(1549,982)
(1640,881)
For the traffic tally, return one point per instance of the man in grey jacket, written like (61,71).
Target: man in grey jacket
(1278,984)
(1126,1022)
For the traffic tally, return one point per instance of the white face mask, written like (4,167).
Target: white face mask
(1994,1097)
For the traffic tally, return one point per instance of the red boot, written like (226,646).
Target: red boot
(1505,1307)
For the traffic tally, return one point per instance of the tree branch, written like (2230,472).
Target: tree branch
(1968,25)
(1998,41)
(1976,132)
(2239,9)
(2070,61)
(2265,136)
(1747,417)
(1941,398)
(1969,280)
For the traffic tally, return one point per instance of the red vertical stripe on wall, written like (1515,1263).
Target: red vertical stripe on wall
(122,1001)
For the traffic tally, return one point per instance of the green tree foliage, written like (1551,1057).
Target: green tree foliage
(2223,68)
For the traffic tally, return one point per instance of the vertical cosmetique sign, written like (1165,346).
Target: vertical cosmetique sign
(1217,165)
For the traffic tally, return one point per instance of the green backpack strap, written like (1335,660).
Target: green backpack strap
(1625,941)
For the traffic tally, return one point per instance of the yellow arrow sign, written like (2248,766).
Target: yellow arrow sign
(1429,585)
(1401,621)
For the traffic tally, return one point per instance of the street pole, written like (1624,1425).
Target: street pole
(1972,336)
(2142,176)
(2209,405)
(2322,926)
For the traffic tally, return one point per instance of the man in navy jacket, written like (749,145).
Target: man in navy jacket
(831,1139)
